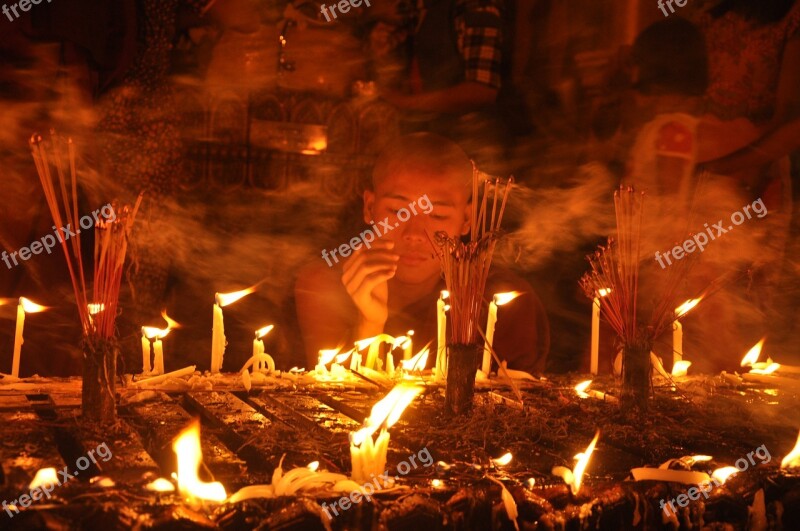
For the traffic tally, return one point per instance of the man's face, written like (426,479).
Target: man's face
(445,209)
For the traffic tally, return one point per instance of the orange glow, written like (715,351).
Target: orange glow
(171,323)
(504,298)
(603,292)
(313,466)
(190,456)
(792,459)
(224,299)
(44,476)
(680,368)
(31,307)
(387,411)
(444,294)
(722,474)
(503,460)
(95,307)
(686,307)
(261,332)
(151,332)
(753,354)
(418,362)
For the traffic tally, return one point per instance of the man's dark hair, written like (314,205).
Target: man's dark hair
(762,11)
(425,153)
(671,57)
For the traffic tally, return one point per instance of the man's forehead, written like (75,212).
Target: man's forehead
(443,200)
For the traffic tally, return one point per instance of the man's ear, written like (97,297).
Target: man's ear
(467,214)
(369,204)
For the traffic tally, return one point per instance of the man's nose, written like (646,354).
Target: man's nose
(415,229)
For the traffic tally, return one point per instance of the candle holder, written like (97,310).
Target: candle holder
(99,378)
(462,363)
(635,376)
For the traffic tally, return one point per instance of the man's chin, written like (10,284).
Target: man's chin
(416,276)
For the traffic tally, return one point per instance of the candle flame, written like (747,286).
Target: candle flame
(261,332)
(580,389)
(792,459)
(341,358)
(503,460)
(28,306)
(437,483)
(418,362)
(753,354)
(224,299)
(326,355)
(160,485)
(95,307)
(504,298)
(151,332)
(171,323)
(190,456)
(602,292)
(722,474)
(313,466)
(681,367)
(444,294)
(44,476)
(686,307)
(574,478)
(387,411)
(769,369)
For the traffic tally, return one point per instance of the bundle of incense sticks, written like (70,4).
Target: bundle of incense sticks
(466,264)
(615,272)
(55,163)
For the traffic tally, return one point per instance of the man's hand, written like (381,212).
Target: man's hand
(366,275)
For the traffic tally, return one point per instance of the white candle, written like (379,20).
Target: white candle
(390,364)
(18,340)
(258,348)
(595,359)
(440,370)
(158,358)
(677,342)
(217,338)
(498,300)
(408,346)
(145,353)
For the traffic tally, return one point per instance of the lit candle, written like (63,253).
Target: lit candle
(595,359)
(325,357)
(440,370)
(149,332)
(677,342)
(217,337)
(218,342)
(498,300)
(368,456)
(374,344)
(259,362)
(25,305)
(390,364)
(677,329)
(408,345)
(158,356)
(145,353)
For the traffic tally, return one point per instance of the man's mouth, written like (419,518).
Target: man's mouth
(414,258)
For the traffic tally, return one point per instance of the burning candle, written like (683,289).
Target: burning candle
(218,342)
(325,357)
(374,344)
(148,333)
(145,353)
(594,361)
(677,329)
(440,370)
(368,456)
(258,348)
(498,300)
(25,305)
(407,345)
